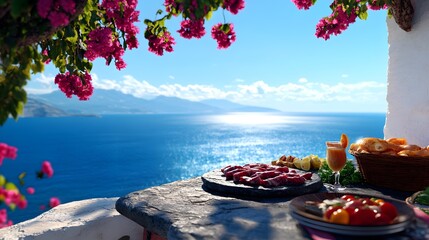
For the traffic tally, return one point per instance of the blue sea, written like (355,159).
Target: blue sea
(113,155)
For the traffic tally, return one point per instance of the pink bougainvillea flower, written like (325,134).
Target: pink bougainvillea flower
(374,6)
(3,219)
(99,43)
(11,196)
(31,190)
(54,201)
(124,14)
(45,53)
(68,5)
(157,44)
(43,7)
(42,207)
(58,19)
(7,151)
(47,169)
(22,203)
(336,23)
(234,6)
(3,215)
(224,35)
(57,11)
(192,28)
(71,84)
(303,4)
(102,43)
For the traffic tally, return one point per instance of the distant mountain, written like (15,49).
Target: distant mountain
(164,104)
(115,102)
(101,102)
(35,108)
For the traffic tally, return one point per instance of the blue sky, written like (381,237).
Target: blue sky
(276,62)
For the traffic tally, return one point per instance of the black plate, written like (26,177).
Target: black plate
(216,181)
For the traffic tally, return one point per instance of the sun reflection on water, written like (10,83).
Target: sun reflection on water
(254,118)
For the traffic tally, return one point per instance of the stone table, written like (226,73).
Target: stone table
(185,210)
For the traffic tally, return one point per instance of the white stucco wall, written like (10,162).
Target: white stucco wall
(408,78)
(91,219)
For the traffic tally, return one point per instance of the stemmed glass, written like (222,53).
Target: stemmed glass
(336,159)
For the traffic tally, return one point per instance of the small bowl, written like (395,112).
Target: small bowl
(412,202)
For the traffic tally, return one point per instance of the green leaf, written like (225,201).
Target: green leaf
(209,15)
(21,178)
(20,108)
(363,15)
(10,186)
(2,180)
(18,6)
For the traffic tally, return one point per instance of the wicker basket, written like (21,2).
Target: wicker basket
(394,172)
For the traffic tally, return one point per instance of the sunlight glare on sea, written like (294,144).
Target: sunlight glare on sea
(255,118)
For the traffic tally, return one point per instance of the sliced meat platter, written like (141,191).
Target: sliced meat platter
(268,176)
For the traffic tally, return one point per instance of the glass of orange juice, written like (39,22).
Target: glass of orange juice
(336,159)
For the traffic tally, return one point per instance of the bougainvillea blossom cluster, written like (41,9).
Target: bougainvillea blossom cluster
(124,15)
(234,6)
(54,201)
(336,23)
(7,151)
(224,34)
(14,197)
(4,222)
(72,84)
(160,43)
(47,169)
(102,43)
(303,4)
(192,28)
(57,11)
(10,194)
(343,14)
(376,5)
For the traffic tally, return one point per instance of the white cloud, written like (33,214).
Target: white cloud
(42,84)
(302,91)
(302,80)
(344,75)
(171,77)
(43,79)
(258,93)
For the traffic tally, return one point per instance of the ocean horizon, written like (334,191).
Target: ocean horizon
(113,155)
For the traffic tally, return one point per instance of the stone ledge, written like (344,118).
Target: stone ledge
(87,219)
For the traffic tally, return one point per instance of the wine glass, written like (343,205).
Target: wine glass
(336,159)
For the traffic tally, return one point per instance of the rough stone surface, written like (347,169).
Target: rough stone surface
(184,210)
(92,219)
(215,180)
